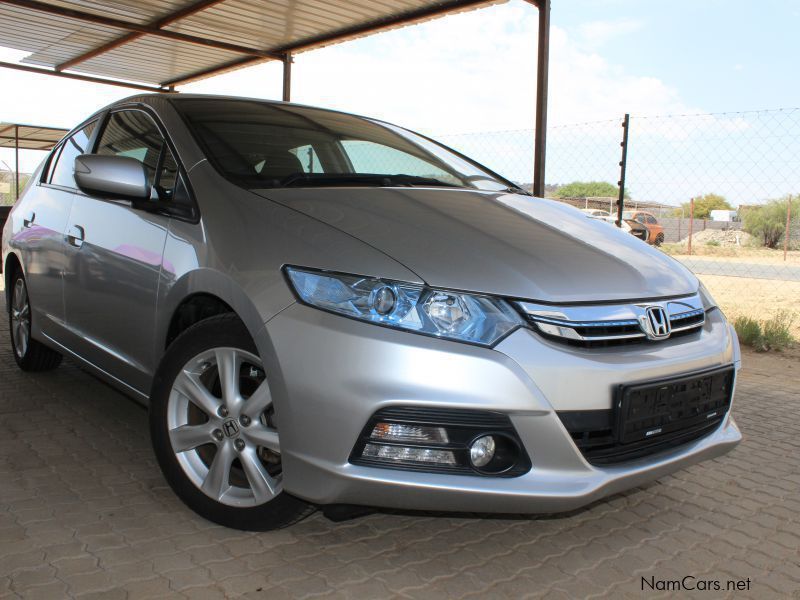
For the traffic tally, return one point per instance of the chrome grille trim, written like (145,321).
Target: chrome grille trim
(608,324)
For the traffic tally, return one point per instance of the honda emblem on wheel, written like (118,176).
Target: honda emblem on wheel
(231,428)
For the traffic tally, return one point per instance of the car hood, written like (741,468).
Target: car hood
(497,243)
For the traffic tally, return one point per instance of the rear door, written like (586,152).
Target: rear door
(43,213)
(115,257)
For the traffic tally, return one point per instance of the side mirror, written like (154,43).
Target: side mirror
(112,177)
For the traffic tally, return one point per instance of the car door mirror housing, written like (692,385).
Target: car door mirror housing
(112,177)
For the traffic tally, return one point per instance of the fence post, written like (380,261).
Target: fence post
(691,224)
(788,222)
(622,165)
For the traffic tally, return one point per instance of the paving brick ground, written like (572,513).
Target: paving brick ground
(85,513)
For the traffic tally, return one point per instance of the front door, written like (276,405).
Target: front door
(111,285)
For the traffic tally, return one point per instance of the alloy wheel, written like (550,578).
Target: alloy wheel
(221,425)
(20,318)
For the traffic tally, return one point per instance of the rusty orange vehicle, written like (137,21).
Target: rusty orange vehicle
(655,231)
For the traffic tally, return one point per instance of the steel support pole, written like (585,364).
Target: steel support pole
(16,161)
(623,164)
(287,77)
(542,64)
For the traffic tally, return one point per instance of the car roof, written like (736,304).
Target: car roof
(154,99)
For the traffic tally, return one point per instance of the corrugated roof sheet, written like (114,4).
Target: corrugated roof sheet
(31,137)
(56,32)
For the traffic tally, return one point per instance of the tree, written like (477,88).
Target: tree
(705,204)
(768,222)
(588,189)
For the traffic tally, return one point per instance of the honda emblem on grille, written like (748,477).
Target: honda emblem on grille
(655,323)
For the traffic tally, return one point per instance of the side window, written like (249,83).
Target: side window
(134,134)
(652,220)
(63,165)
(640,218)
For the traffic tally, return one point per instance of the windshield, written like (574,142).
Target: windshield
(263,145)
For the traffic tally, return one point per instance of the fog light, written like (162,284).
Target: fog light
(408,433)
(481,452)
(406,454)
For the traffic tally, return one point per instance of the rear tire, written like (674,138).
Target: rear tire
(214,432)
(659,239)
(29,354)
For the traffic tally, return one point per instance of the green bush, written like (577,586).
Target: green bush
(713,243)
(588,189)
(772,334)
(777,331)
(768,222)
(749,331)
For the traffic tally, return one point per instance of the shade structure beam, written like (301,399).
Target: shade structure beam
(160,23)
(81,77)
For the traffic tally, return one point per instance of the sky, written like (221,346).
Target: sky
(475,72)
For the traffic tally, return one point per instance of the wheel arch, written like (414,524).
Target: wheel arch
(201,294)
(10,266)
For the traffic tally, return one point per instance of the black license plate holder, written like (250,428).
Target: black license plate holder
(654,409)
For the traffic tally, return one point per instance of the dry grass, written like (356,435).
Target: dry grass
(748,254)
(761,299)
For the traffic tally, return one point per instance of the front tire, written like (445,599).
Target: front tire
(214,431)
(29,354)
(659,239)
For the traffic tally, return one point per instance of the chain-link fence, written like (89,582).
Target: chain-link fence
(8,163)
(718,192)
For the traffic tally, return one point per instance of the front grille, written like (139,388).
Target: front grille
(605,325)
(687,320)
(652,417)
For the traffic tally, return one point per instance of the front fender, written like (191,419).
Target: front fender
(217,284)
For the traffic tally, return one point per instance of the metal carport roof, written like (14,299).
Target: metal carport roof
(171,42)
(29,137)
(156,45)
(20,136)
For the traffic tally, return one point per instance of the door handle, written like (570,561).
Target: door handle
(75,236)
(28,221)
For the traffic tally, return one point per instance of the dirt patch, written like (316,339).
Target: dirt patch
(786,362)
(720,237)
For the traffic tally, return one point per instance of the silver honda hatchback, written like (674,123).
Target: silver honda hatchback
(324,309)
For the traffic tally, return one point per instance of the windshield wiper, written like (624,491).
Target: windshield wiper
(377,180)
(515,189)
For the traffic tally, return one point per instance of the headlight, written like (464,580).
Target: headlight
(451,315)
(705,297)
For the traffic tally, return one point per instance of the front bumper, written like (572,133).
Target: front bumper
(331,374)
